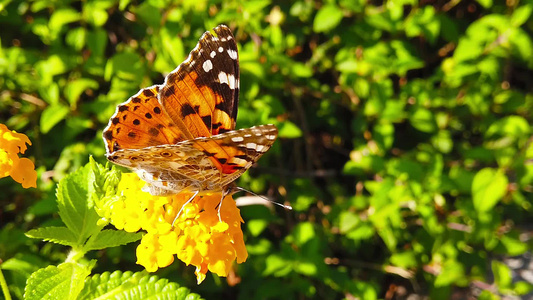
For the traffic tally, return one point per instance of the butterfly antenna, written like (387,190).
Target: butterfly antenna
(263,197)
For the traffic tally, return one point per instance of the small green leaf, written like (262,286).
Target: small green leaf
(302,233)
(513,245)
(62,282)
(256,226)
(75,88)
(327,18)
(128,66)
(488,188)
(97,41)
(514,126)
(76,38)
(452,271)
(485,3)
(58,235)
(423,120)
(521,15)
(404,259)
(276,265)
(348,221)
(289,130)
(73,195)
(61,17)
(111,238)
(301,70)
(52,115)
(502,275)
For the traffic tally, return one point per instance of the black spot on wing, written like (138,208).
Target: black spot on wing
(207,121)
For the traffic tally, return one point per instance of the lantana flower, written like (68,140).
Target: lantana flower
(22,170)
(197,237)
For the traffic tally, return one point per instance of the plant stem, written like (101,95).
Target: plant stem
(3,284)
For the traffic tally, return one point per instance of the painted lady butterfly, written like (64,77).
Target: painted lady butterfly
(179,136)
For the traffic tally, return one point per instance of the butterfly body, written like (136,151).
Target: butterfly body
(180,136)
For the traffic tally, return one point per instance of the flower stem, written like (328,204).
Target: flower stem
(3,284)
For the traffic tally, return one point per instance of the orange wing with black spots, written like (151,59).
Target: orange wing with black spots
(180,135)
(141,122)
(203,92)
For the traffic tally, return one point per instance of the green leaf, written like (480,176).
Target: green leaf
(513,245)
(94,12)
(514,126)
(423,120)
(452,271)
(502,275)
(256,227)
(58,235)
(327,18)
(172,45)
(289,130)
(75,88)
(521,14)
(423,22)
(127,66)
(348,221)
(301,70)
(302,233)
(97,42)
(52,115)
(61,17)
(488,187)
(76,38)
(485,3)
(75,208)
(111,238)
(128,285)
(276,265)
(62,282)
(404,259)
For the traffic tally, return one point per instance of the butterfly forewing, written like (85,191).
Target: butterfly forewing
(141,122)
(202,93)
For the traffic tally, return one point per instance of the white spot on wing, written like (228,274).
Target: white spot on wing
(237,139)
(223,78)
(213,54)
(251,145)
(228,79)
(208,65)
(232,54)
(231,80)
(259,148)
(220,49)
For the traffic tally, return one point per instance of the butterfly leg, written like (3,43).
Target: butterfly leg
(181,209)
(224,194)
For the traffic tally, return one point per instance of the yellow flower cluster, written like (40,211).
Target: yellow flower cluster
(22,170)
(197,237)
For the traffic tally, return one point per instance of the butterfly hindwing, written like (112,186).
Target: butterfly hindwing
(202,163)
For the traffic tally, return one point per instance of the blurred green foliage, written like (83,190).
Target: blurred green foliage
(405,135)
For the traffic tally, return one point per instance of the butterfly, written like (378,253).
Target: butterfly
(180,136)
